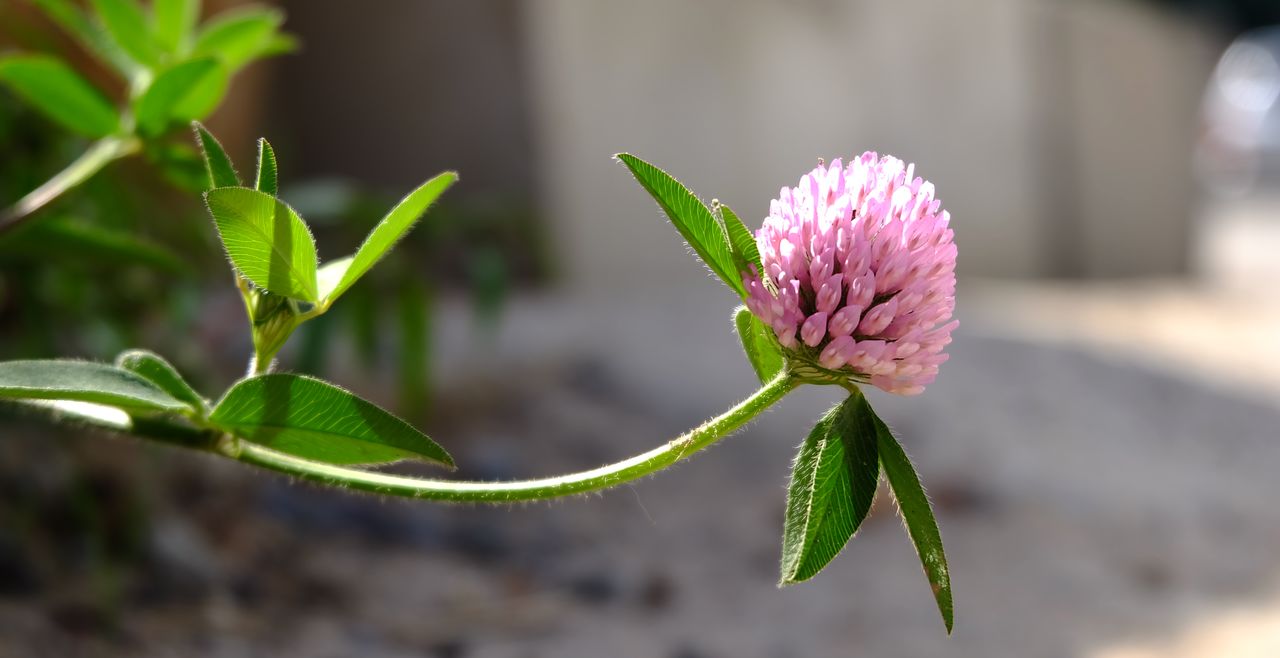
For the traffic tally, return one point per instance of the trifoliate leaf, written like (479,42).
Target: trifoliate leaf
(221,172)
(390,230)
(832,484)
(268,174)
(60,93)
(163,103)
(266,240)
(126,23)
(690,216)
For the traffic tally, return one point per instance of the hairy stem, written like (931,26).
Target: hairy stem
(596,479)
(102,153)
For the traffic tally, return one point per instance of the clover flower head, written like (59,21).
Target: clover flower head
(859,273)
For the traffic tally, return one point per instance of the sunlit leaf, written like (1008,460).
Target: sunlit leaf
(60,93)
(742,244)
(162,104)
(266,240)
(690,216)
(83,381)
(917,515)
(221,172)
(127,24)
(832,485)
(239,35)
(279,44)
(174,22)
(394,226)
(70,16)
(758,343)
(155,369)
(268,176)
(330,275)
(205,96)
(317,420)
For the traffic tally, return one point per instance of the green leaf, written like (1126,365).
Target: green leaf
(216,161)
(155,369)
(832,484)
(61,94)
(83,381)
(266,240)
(742,244)
(206,95)
(127,24)
(279,44)
(238,36)
(72,18)
(917,515)
(690,216)
(173,23)
(330,275)
(164,100)
(316,420)
(758,343)
(389,231)
(268,177)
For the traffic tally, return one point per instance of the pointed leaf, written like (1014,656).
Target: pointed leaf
(317,420)
(832,485)
(155,369)
(268,177)
(206,95)
(69,15)
(127,24)
(83,381)
(164,100)
(758,342)
(917,515)
(60,93)
(742,244)
(174,22)
(280,44)
(690,216)
(216,161)
(330,275)
(392,227)
(238,36)
(266,240)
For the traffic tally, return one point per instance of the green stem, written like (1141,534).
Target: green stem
(99,155)
(596,479)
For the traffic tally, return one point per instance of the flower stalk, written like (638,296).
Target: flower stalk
(102,153)
(176,432)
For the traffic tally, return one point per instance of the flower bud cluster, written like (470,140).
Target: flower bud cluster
(859,273)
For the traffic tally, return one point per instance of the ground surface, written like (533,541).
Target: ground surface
(1093,504)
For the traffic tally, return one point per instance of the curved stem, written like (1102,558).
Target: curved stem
(103,152)
(596,479)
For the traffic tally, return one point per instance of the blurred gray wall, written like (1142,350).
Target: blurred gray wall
(1059,133)
(392,92)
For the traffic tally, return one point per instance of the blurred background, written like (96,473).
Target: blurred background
(1102,447)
